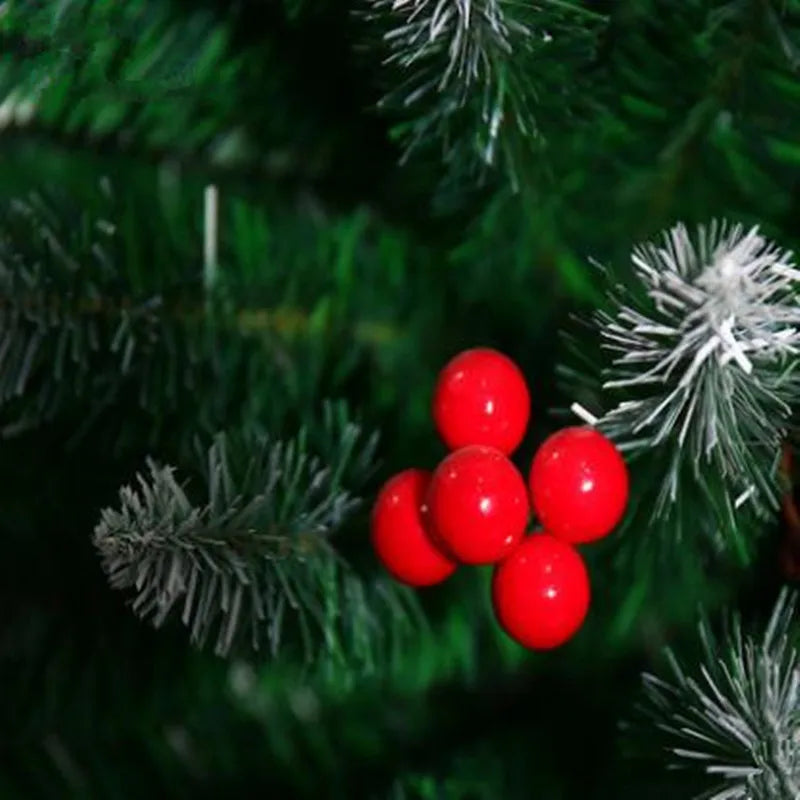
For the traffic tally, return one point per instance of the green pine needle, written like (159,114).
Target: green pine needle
(129,73)
(695,379)
(61,308)
(469,73)
(736,715)
(253,557)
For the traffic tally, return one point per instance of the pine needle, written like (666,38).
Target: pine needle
(703,348)
(466,74)
(736,715)
(259,543)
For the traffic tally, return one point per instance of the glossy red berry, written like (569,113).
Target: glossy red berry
(481,398)
(399,534)
(541,592)
(478,505)
(579,485)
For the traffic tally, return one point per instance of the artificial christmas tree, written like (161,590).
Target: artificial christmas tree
(238,243)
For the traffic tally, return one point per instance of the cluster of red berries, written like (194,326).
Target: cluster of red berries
(475,507)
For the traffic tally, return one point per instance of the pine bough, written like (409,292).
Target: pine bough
(469,72)
(698,351)
(254,549)
(737,714)
(131,74)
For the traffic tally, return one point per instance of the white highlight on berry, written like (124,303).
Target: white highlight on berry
(582,413)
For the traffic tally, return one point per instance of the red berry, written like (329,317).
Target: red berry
(579,485)
(478,505)
(398,533)
(481,398)
(541,592)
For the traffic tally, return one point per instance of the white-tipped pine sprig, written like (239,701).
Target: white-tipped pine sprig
(452,56)
(704,344)
(450,51)
(251,560)
(464,31)
(736,715)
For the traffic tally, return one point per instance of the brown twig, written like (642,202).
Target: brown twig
(789,556)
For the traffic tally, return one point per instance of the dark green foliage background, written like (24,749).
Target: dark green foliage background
(366,276)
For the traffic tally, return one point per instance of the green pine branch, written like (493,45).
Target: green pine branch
(735,715)
(104,304)
(61,308)
(132,73)
(480,82)
(680,120)
(693,375)
(252,558)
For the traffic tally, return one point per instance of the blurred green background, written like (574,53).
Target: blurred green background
(346,273)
